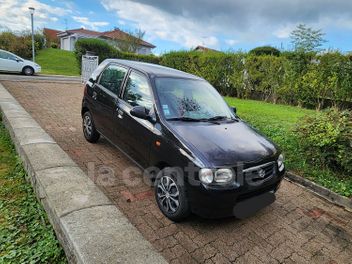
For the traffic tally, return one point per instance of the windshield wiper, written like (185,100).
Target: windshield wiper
(216,118)
(184,118)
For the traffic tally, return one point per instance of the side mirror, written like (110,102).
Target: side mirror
(234,109)
(18,60)
(140,112)
(92,80)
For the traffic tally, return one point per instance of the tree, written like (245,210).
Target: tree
(131,40)
(265,50)
(307,39)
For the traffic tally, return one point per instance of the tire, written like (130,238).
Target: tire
(89,130)
(171,196)
(28,71)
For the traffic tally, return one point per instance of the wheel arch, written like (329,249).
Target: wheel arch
(84,109)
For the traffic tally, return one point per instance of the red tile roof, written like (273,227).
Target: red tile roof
(83,31)
(51,34)
(113,34)
(120,35)
(202,48)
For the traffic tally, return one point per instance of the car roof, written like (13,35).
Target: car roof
(6,51)
(154,70)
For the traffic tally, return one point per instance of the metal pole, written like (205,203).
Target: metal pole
(33,49)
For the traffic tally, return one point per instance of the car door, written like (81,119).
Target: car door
(105,93)
(135,134)
(9,62)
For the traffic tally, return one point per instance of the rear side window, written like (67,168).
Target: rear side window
(8,56)
(112,78)
(137,91)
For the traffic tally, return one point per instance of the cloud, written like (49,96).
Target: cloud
(121,22)
(231,42)
(284,32)
(15,14)
(161,24)
(90,24)
(187,22)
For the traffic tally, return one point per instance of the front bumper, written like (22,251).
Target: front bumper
(220,202)
(37,69)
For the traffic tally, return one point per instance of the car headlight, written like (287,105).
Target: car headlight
(206,176)
(280,162)
(223,175)
(220,176)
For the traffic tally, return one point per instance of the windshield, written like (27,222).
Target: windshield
(190,100)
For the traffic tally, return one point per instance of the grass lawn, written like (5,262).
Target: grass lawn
(26,235)
(56,61)
(278,122)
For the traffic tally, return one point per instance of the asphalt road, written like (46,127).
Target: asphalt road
(40,78)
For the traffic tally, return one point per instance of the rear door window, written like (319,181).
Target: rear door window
(4,55)
(112,78)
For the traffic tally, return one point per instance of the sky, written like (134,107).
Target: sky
(184,24)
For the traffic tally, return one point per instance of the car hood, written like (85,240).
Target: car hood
(225,144)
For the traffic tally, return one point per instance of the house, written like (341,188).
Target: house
(204,49)
(117,36)
(68,39)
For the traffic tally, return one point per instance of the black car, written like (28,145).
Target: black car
(203,157)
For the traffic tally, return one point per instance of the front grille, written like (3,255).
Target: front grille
(260,173)
(257,192)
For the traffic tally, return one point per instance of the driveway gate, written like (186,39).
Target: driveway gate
(89,64)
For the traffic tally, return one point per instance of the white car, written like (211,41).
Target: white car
(10,62)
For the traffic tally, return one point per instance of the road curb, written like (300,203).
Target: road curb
(89,227)
(320,191)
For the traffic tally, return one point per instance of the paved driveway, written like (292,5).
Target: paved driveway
(298,228)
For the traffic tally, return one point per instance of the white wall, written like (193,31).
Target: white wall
(67,43)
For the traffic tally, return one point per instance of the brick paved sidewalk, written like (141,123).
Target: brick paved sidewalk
(298,228)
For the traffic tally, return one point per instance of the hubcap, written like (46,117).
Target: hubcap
(87,125)
(168,194)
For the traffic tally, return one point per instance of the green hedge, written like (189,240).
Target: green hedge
(21,44)
(215,67)
(104,50)
(303,79)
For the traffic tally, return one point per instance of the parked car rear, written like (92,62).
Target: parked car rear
(10,62)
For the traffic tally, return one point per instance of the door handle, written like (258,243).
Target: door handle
(94,96)
(119,113)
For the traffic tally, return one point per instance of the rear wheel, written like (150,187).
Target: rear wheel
(170,194)
(89,130)
(28,70)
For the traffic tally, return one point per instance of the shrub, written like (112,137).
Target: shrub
(215,67)
(97,46)
(265,50)
(21,43)
(54,45)
(137,57)
(104,50)
(327,139)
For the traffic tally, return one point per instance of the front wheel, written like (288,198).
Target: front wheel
(28,71)
(170,194)
(89,130)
